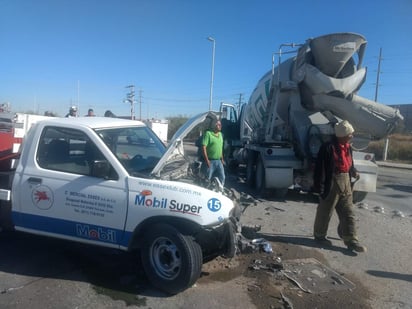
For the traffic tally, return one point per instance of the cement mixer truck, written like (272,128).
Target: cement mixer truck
(293,110)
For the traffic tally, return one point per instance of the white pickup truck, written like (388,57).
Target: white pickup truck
(81,179)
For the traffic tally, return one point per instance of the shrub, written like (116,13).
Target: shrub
(399,148)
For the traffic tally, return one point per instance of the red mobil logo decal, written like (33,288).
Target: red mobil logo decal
(42,197)
(146,193)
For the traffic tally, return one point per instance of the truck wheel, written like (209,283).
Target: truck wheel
(260,176)
(250,169)
(172,261)
(358,196)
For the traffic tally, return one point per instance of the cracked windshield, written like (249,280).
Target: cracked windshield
(137,148)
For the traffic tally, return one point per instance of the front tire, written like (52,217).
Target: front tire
(172,261)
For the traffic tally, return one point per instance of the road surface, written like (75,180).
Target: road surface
(37,272)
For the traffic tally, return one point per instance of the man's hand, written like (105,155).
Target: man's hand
(205,156)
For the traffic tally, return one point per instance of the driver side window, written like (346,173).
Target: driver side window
(71,151)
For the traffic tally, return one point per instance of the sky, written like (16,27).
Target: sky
(58,53)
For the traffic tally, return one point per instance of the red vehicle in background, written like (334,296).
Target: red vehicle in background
(13,127)
(7,140)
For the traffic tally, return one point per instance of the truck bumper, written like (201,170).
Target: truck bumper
(6,222)
(276,177)
(368,172)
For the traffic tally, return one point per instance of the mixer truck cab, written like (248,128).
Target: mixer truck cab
(80,179)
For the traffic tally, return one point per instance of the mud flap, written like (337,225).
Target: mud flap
(6,222)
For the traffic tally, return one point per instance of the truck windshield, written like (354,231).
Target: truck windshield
(137,148)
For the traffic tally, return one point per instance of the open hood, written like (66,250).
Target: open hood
(175,149)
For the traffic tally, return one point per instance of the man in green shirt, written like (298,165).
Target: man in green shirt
(212,149)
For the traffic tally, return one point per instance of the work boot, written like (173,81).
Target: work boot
(355,246)
(323,241)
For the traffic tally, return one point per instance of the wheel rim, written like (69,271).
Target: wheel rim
(165,258)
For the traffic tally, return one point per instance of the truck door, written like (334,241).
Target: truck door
(230,129)
(64,198)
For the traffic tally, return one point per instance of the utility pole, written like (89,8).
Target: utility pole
(239,103)
(378,75)
(78,97)
(386,145)
(140,104)
(213,71)
(130,100)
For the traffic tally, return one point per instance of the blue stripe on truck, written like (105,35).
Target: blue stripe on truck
(72,229)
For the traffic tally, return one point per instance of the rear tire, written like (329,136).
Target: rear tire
(172,261)
(260,176)
(251,169)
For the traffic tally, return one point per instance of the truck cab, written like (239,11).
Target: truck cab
(81,179)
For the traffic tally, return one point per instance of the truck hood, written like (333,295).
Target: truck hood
(175,149)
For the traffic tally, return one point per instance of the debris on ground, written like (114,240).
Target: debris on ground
(311,276)
(379,209)
(398,213)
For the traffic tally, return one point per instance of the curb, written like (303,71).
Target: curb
(394,165)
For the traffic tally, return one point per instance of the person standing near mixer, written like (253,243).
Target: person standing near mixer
(332,180)
(212,149)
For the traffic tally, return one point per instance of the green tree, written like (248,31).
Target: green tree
(176,122)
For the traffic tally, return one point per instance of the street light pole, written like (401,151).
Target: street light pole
(213,71)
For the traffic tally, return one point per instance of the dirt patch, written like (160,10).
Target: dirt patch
(268,287)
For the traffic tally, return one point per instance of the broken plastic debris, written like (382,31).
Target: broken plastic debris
(259,265)
(379,209)
(263,244)
(337,280)
(397,213)
(267,248)
(311,276)
(363,205)
(287,302)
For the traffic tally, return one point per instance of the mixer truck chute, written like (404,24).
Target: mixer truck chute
(293,109)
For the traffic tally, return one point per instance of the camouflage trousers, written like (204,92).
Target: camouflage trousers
(339,198)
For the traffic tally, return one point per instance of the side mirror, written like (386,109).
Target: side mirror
(179,146)
(101,169)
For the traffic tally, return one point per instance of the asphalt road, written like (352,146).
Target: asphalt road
(38,272)
(384,221)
